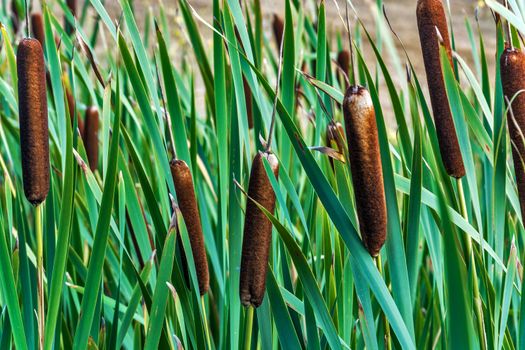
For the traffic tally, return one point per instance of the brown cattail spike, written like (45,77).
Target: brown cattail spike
(343,60)
(431,19)
(91,136)
(513,79)
(190,212)
(32,107)
(37,27)
(365,163)
(257,232)
(278,29)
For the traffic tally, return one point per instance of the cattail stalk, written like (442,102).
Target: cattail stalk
(37,27)
(512,63)
(431,19)
(190,212)
(365,163)
(257,236)
(34,143)
(91,136)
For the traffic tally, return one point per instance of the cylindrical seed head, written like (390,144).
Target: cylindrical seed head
(343,60)
(365,163)
(190,212)
(278,29)
(431,15)
(257,235)
(512,63)
(37,27)
(91,136)
(32,107)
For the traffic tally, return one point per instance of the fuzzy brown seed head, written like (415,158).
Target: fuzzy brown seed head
(248,98)
(91,136)
(190,212)
(431,16)
(257,236)
(37,27)
(512,63)
(278,29)
(32,107)
(343,60)
(365,163)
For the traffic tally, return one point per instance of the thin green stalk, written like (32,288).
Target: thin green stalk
(40,278)
(388,339)
(470,256)
(248,328)
(205,320)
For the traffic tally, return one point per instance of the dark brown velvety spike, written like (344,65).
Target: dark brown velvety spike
(91,136)
(248,98)
(365,163)
(278,29)
(72,5)
(513,79)
(257,236)
(190,212)
(37,27)
(343,60)
(431,15)
(34,134)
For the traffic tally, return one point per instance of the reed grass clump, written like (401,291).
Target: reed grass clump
(365,163)
(257,236)
(431,19)
(37,28)
(90,136)
(512,63)
(32,107)
(190,212)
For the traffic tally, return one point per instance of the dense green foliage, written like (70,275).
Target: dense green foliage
(114,238)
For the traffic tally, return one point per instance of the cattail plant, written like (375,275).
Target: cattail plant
(257,231)
(37,28)
(32,106)
(431,20)
(365,163)
(278,29)
(34,143)
(512,63)
(190,212)
(343,61)
(91,136)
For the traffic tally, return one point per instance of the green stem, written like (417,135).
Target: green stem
(248,328)
(388,339)
(40,274)
(470,257)
(206,326)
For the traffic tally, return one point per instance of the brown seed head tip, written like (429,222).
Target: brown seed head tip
(37,27)
(343,59)
(91,136)
(433,28)
(278,29)
(257,236)
(512,63)
(190,212)
(34,134)
(365,163)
